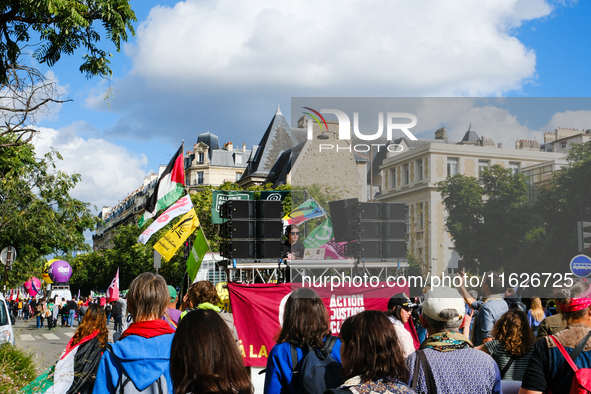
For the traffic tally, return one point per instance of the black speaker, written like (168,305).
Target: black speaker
(242,249)
(370,210)
(342,214)
(268,249)
(239,229)
(269,229)
(367,249)
(269,209)
(396,230)
(371,229)
(394,211)
(238,209)
(393,249)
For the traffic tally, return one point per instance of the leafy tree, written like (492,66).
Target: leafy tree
(490,222)
(37,214)
(60,27)
(564,203)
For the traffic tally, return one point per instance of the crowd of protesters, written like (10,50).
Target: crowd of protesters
(469,345)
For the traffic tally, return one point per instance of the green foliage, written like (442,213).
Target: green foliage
(564,203)
(17,369)
(37,214)
(61,27)
(490,222)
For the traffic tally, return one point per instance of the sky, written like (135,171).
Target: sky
(224,66)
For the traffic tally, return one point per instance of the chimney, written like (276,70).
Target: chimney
(244,147)
(230,146)
(441,134)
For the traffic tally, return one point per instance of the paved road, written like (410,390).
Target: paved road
(45,345)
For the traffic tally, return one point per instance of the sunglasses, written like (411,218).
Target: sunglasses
(295,233)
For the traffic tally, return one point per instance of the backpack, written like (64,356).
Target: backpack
(318,370)
(581,383)
(126,386)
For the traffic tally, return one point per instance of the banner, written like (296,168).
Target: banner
(180,207)
(219,197)
(306,211)
(113,290)
(274,195)
(173,239)
(198,252)
(257,311)
(320,235)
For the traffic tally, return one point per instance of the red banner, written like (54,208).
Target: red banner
(258,310)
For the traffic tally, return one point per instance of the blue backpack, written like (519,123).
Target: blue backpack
(318,370)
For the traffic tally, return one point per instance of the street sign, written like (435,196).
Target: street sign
(8,255)
(580,265)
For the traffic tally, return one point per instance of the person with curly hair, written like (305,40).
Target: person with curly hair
(203,295)
(373,361)
(512,345)
(208,362)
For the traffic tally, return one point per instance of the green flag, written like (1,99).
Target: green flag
(320,235)
(197,254)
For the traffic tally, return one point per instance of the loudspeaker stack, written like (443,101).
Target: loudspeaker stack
(253,229)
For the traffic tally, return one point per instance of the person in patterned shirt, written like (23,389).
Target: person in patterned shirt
(455,366)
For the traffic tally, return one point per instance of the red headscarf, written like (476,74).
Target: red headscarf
(576,304)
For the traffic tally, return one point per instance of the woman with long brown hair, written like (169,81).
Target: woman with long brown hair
(75,371)
(512,344)
(304,327)
(209,362)
(373,361)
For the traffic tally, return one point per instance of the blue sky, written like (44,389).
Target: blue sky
(221,66)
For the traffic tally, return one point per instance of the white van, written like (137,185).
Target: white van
(61,292)
(6,333)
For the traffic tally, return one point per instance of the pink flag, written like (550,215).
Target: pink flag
(113,290)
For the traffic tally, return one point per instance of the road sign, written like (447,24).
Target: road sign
(580,265)
(8,255)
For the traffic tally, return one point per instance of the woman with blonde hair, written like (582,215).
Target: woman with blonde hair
(536,314)
(512,345)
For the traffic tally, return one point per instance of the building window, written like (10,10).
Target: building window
(452,166)
(563,145)
(238,176)
(393,178)
(200,177)
(406,174)
(482,166)
(420,170)
(238,159)
(514,167)
(201,158)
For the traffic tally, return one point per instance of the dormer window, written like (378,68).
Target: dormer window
(201,157)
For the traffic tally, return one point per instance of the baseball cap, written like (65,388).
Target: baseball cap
(442,298)
(402,300)
(171,292)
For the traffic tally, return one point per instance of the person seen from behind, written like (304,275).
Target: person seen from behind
(447,360)
(203,295)
(371,355)
(208,362)
(143,351)
(536,314)
(548,369)
(511,347)
(172,315)
(305,322)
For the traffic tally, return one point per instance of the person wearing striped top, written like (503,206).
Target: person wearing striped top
(512,345)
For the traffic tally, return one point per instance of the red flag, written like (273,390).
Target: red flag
(11,294)
(113,290)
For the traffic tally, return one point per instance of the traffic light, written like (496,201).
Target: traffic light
(584,236)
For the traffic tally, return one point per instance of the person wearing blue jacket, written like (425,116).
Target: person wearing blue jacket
(143,350)
(305,320)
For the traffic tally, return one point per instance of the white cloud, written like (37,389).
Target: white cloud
(109,172)
(580,120)
(365,48)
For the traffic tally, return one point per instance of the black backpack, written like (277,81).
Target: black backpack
(318,370)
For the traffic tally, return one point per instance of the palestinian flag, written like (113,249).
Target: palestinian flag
(169,188)
(74,372)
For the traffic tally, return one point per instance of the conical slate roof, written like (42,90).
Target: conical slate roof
(210,140)
(470,135)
